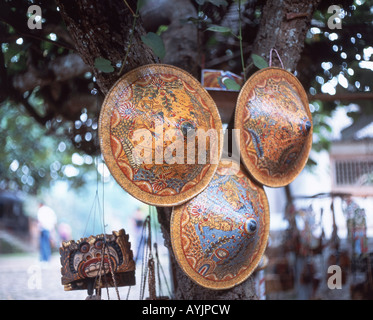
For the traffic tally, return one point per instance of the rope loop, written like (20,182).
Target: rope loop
(278,56)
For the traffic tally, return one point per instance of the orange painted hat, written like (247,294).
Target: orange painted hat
(219,236)
(275,126)
(148,131)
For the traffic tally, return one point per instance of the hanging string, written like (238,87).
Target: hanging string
(151,268)
(153,215)
(112,272)
(140,245)
(151,281)
(96,206)
(93,211)
(153,212)
(240,40)
(146,258)
(278,56)
(102,266)
(160,268)
(100,209)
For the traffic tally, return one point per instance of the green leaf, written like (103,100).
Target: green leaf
(231,84)
(221,29)
(141,3)
(162,28)
(103,65)
(200,2)
(259,61)
(155,42)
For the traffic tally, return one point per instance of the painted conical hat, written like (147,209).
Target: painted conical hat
(275,126)
(219,236)
(146,122)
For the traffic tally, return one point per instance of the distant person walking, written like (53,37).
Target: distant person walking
(47,222)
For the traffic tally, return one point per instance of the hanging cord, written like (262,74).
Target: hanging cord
(101,211)
(240,40)
(148,262)
(278,56)
(102,266)
(94,209)
(153,217)
(111,270)
(138,252)
(160,268)
(153,213)
(96,206)
(148,265)
(151,281)
(145,259)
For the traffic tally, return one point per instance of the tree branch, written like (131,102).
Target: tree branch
(286,36)
(350,97)
(31,110)
(60,69)
(101,29)
(12,19)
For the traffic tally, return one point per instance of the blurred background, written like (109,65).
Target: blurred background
(50,156)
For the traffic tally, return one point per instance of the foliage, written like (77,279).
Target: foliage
(338,61)
(31,158)
(42,134)
(155,42)
(259,61)
(334,61)
(103,65)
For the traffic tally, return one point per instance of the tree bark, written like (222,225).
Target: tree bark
(103,29)
(284,25)
(60,69)
(180,38)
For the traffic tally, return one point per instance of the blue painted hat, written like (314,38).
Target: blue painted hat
(219,236)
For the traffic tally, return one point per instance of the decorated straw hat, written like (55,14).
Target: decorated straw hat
(219,236)
(275,126)
(151,125)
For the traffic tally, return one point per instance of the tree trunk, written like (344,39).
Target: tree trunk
(102,29)
(180,38)
(284,25)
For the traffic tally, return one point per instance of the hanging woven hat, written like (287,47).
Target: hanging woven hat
(275,126)
(219,236)
(149,124)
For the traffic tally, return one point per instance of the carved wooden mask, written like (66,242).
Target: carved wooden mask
(85,260)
